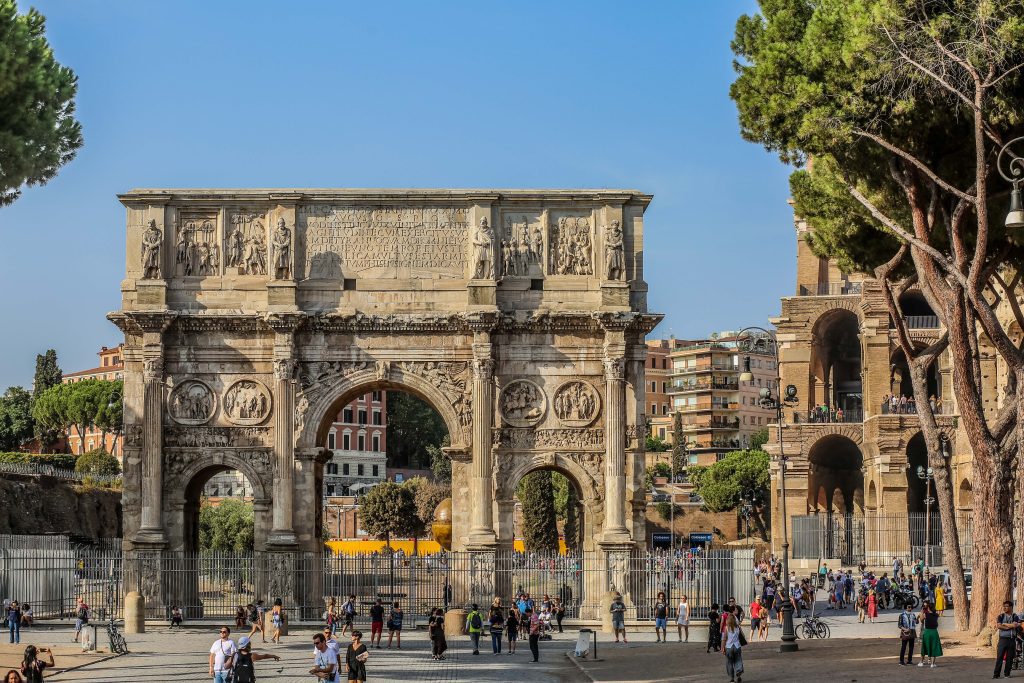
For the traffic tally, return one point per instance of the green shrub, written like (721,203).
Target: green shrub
(98,463)
(64,461)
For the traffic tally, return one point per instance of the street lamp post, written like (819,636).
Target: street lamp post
(760,340)
(1011,168)
(927,475)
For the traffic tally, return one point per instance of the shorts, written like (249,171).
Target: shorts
(660,623)
(619,623)
(376,627)
(755,624)
(348,620)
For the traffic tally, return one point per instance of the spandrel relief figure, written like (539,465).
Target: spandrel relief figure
(282,243)
(614,263)
(152,239)
(538,245)
(507,264)
(483,238)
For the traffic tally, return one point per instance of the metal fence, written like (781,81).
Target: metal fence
(213,586)
(876,538)
(57,472)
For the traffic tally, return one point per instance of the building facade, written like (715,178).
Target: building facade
(852,451)
(358,444)
(111,368)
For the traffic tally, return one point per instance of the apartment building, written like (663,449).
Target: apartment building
(111,367)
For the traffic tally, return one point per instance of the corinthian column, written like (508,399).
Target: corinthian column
(481,533)
(284,326)
(152,527)
(615,530)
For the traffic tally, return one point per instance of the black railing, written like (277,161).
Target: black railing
(825,415)
(908,407)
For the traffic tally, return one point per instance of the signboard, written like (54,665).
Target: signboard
(700,537)
(661,540)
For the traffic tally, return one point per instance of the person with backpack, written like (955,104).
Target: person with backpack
(32,667)
(475,626)
(348,613)
(395,624)
(81,617)
(243,670)
(255,620)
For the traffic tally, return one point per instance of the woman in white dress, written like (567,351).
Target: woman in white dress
(683,619)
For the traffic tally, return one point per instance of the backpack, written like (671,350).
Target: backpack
(243,670)
(83,614)
(254,615)
(475,621)
(350,608)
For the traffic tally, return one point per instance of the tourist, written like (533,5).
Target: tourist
(222,656)
(474,627)
(940,598)
(243,670)
(348,613)
(931,646)
(714,628)
(331,616)
(81,617)
(32,667)
(496,618)
(734,641)
(618,610)
(376,623)
(756,609)
(332,643)
(512,629)
(14,621)
(276,620)
(240,617)
(325,660)
(872,606)
(737,610)
(559,611)
(255,620)
(908,633)
(435,629)
(683,620)
(395,625)
(660,618)
(176,616)
(26,615)
(1007,624)
(355,658)
(14,677)
(534,625)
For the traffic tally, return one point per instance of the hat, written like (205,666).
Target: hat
(243,642)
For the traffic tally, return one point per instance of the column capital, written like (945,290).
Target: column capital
(615,368)
(153,369)
(284,368)
(483,368)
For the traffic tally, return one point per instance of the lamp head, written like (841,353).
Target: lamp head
(920,471)
(1015,218)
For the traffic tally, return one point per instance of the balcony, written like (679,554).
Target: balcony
(714,405)
(712,424)
(831,289)
(708,367)
(687,387)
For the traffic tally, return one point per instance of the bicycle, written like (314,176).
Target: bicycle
(117,641)
(812,627)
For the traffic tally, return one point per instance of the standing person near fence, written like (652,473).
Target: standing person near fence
(276,620)
(474,627)
(435,629)
(683,620)
(661,619)
(714,628)
(81,618)
(496,617)
(533,622)
(618,610)
(395,625)
(1007,624)
(348,613)
(14,621)
(376,622)
(512,629)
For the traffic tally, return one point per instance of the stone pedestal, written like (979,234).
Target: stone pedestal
(482,294)
(615,296)
(454,623)
(134,613)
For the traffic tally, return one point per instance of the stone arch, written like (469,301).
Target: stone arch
(899,374)
(583,470)
(836,465)
(836,359)
(917,456)
(839,505)
(316,405)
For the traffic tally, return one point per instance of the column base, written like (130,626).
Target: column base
(615,537)
(481,539)
(150,539)
(282,539)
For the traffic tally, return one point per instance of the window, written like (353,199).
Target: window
(347,415)
(344,469)
(331,443)
(661,432)
(654,409)
(346,441)
(359,469)
(664,387)
(362,443)
(376,470)
(362,417)
(376,443)
(376,397)
(664,409)
(654,386)
(377,418)
(332,468)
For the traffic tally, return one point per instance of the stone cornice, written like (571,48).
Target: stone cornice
(270,196)
(138,322)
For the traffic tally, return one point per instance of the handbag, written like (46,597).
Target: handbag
(743,639)
(362,657)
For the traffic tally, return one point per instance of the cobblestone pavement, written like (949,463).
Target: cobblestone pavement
(160,656)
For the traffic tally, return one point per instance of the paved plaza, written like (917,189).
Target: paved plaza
(856,652)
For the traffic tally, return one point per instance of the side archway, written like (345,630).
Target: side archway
(837,472)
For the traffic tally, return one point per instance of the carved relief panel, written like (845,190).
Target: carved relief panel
(191,402)
(521,245)
(196,246)
(571,241)
(247,402)
(522,403)
(576,403)
(245,243)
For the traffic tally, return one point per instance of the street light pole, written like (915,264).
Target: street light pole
(927,475)
(765,342)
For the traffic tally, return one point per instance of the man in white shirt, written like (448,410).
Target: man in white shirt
(222,656)
(325,660)
(332,644)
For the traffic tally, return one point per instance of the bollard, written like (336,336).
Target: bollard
(455,623)
(134,613)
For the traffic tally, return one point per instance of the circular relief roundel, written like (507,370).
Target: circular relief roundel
(522,403)
(576,403)
(191,402)
(247,402)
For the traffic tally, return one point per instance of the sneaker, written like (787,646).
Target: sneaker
(921,663)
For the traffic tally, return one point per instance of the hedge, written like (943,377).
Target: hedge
(64,461)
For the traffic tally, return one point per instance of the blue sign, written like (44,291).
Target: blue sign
(700,537)
(661,540)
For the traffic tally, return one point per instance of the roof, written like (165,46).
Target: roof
(96,371)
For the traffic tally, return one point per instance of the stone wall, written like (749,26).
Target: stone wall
(43,505)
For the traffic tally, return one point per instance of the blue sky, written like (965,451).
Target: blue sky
(407,94)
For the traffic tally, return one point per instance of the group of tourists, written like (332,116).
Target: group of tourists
(896,404)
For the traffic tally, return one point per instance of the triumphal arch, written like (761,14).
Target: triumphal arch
(252,316)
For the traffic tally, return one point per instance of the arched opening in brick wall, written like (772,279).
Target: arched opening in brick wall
(836,362)
(835,476)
